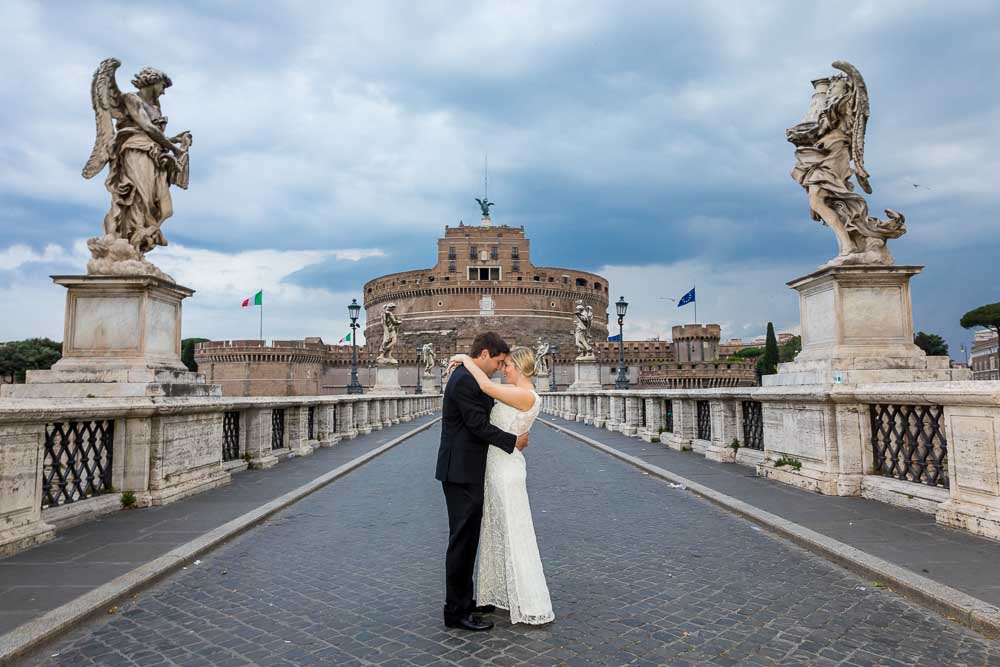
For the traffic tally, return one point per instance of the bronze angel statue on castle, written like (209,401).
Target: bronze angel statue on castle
(143,162)
(827,141)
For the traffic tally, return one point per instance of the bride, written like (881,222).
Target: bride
(510,569)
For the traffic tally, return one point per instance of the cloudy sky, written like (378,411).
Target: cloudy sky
(643,141)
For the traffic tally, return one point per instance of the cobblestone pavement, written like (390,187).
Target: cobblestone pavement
(640,573)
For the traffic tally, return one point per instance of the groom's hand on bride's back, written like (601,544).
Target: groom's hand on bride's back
(522,441)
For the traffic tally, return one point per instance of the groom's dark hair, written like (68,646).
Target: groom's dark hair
(488,341)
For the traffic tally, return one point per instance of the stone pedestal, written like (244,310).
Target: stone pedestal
(857,328)
(542,383)
(586,375)
(122,337)
(387,380)
(427,384)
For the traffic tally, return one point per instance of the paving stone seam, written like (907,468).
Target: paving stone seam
(954,604)
(33,634)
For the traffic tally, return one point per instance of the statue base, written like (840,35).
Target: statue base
(542,383)
(386,380)
(857,327)
(586,375)
(428,384)
(122,337)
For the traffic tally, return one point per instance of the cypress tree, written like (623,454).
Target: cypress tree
(768,363)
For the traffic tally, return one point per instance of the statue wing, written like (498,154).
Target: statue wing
(860,110)
(108,107)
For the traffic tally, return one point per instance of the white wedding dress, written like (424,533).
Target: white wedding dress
(510,569)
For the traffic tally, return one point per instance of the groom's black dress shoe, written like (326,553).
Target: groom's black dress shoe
(468,622)
(484,609)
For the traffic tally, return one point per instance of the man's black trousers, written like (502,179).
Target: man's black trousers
(465,516)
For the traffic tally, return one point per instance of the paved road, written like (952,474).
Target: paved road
(640,573)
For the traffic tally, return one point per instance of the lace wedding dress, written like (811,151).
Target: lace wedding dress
(510,569)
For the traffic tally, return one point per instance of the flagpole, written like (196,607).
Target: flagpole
(695,290)
(262,317)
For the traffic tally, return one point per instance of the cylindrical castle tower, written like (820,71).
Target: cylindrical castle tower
(696,342)
(484,281)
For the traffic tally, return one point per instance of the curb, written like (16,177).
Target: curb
(952,603)
(32,634)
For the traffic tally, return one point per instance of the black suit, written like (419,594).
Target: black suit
(466,434)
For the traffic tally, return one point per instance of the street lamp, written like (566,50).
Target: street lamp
(354,310)
(420,388)
(621,382)
(554,349)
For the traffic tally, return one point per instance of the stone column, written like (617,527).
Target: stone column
(326,425)
(345,420)
(375,415)
(586,414)
(600,411)
(407,407)
(384,411)
(297,425)
(259,438)
(726,428)
(361,417)
(395,410)
(614,420)
(650,431)
(632,415)
(685,424)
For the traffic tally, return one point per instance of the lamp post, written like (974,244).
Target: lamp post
(621,382)
(420,388)
(354,310)
(554,349)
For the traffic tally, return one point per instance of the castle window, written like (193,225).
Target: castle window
(580,282)
(514,253)
(597,286)
(551,279)
(473,254)
(451,252)
(537,279)
(495,253)
(565,280)
(430,279)
(516,268)
(451,268)
(440,303)
(484,273)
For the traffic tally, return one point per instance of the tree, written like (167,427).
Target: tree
(930,343)
(187,352)
(749,352)
(768,362)
(788,350)
(19,356)
(987,316)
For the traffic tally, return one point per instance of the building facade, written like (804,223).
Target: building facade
(984,360)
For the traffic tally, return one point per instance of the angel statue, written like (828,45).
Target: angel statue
(143,163)
(829,139)
(541,358)
(484,205)
(428,353)
(582,337)
(390,327)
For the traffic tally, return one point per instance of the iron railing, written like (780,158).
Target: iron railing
(704,420)
(77,461)
(753,425)
(909,443)
(668,416)
(277,428)
(231,436)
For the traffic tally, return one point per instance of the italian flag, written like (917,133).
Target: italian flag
(256,300)
(346,338)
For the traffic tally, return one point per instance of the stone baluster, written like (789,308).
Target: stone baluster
(632,415)
(375,414)
(259,438)
(726,427)
(326,425)
(297,425)
(361,417)
(600,417)
(685,424)
(345,420)
(613,421)
(650,431)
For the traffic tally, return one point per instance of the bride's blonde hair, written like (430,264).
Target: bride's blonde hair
(523,359)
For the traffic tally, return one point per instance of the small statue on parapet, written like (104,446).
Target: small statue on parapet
(541,358)
(828,139)
(143,162)
(429,359)
(390,333)
(582,336)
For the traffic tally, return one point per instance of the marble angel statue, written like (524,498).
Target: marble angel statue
(390,329)
(829,151)
(541,358)
(427,351)
(582,337)
(143,162)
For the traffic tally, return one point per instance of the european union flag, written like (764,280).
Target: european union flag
(615,338)
(686,299)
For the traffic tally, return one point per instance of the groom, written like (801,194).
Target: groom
(466,433)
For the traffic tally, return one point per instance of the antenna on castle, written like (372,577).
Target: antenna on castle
(486,176)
